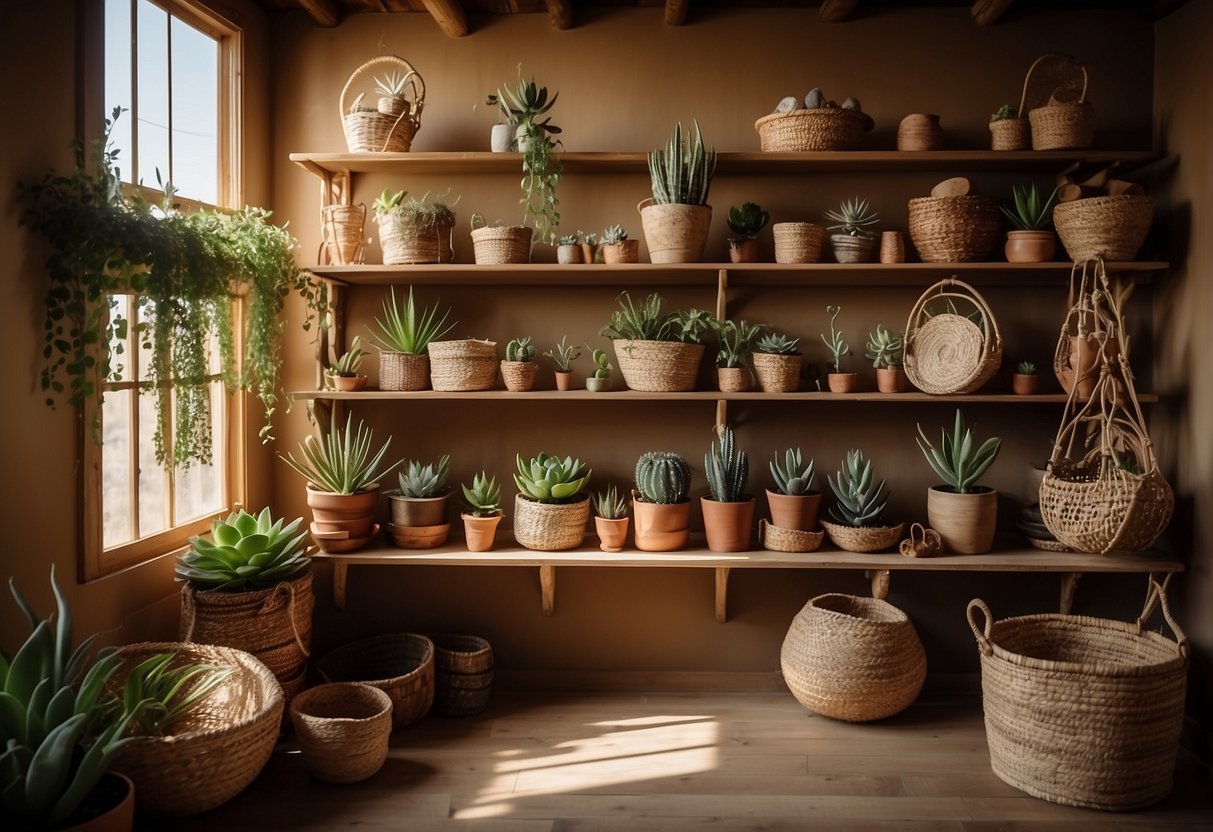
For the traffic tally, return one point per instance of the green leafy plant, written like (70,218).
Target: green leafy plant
(792,476)
(1004,112)
(610,504)
(737,341)
(957,462)
(403,331)
(483,496)
(747,219)
(423,481)
(422,213)
(550,479)
(614,234)
(854,217)
(523,107)
(569,239)
(341,462)
(647,323)
(1026,368)
(349,362)
(857,503)
(245,553)
(885,349)
(520,349)
(682,172)
(602,366)
(727,469)
(158,693)
(563,355)
(837,344)
(1028,210)
(776,343)
(662,477)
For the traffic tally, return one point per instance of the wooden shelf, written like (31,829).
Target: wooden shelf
(1070,565)
(707,396)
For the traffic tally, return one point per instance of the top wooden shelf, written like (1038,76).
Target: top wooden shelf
(728,162)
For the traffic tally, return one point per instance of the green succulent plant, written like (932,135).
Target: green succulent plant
(614,234)
(776,343)
(563,355)
(747,219)
(727,469)
(884,348)
(392,85)
(609,504)
(837,343)
(647,323)
(483,496)
(737,341)
(663,477)
(520,349)
(792,476)
(245,553)
(341,462)
(569,239)
(854,217)
(1028,210)
(957,462)
(423,481)
(857,503)
(1004,112)
(550,479)
(602,365)
(349,362)
(387,202)
(403,331)
(1026,368)
(682,172)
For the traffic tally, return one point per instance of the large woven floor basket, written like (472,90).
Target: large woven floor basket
(954,229)
(1083,711)
(946,351)
(853,658)
(829,128)
(1111,227)
(217,748)
(658,366)
(469,364)
(399,664)
(343,730)
(550,527)
(368,130)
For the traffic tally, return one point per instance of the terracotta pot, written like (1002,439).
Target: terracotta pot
(733,379)
(351,513)
(743,250)
(613,534)
(1030,246)
(519,376)
(598,385)
(965,522)
(675,233)
(798,512)
(479,532)
(848,249)
(1085,363)
(564,379)
(843,382)
(568,254)
(110,806)
(892,380)
(661,527)
(347,384)
(920,131)
(415,512)
(728,525)
(587,253)
(625,251)
(1024,384)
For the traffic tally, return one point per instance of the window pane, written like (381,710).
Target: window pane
(152,35)
(115,468)
(118,79)
(200,488)
(195,113)
(153,480)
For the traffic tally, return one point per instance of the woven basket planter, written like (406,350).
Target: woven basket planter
(849,249)
(1063,126)
(945,352)
(1054,99)
(828,128)
(1083,711)
(776,539)
(777,373)
(733,379)
(1111,227)
(403,371)
(1098,508)
(658,366)
(864,538)
(519,376)
(399,664)
(370,131)
(852,658)
(463,674)
(550,527)
(217,747)
(495,245)
(343,730)
(405,240)
(1010,134)
(797,242)
(469,364)
(955,229)
(341,227)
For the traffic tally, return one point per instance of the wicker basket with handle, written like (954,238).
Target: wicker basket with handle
(945,351)
(370,131)
(1054,100)
(341,227)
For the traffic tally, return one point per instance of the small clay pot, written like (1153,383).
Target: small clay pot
(348,384)
(624,251)
(568,254)
(892,380)
(1030,246)
(843,382)
(794,511)
(728,526)
(612,534)
(564,379)
(920,131)
(743,250)
(480,531)
(1024,384)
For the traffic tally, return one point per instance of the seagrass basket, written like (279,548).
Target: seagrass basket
(217,747)
(463,674)
(776,539)
(341,241)
(1054,101)
(827,128)
(1083,711)
(658,366)
(519,376)
(495,245)
(1111,227)
(863,538)
(343,730)
(954,229)
(777,373)
(550,527)
(371,131)
(406,239)
(468,364)
(797,242)
(399,664)
(852,658)
(403,371)
(946,352)
(1096,506)
(1010,134)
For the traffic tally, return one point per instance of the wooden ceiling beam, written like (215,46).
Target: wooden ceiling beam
(449,15)
(989,12)
(836,11)
(561,12)
(676,12)
(325,12)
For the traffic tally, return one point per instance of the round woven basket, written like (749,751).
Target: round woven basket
(217,747)
(864,538)
(1010,134)
(733,379)
(852,658)
(343,730)
(777,373)
(946,352)
(341,228)
(797,242)
(406,240)
(469,364)
(1083,711)
(519,376)
(658,366)
(828,128)
(1099,508)
(550,527)
(1111,227)
(399,664)
(403,371)
(788,540)
(1054,99)
(497,244)
(370,131)
(1063,126)
(954,229)
(464,674)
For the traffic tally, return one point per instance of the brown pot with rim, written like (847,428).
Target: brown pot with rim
(612,533)
(1025,384)
(892,380)
(843,382)
(965,522)
(853,249)
(661,527)
(794,511)
(479,532)
(564,380)
(624,251)
(733,379)
(350,515)
(347,384)
(743,250)
(1085,362)
(728,526)
(109,807)
(410,512)
(1030,246)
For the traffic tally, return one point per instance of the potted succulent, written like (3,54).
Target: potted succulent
(589,247)
(611,519)
(418,506)
(1025,381)
(484,512)
(617,248)
(414,230)
(660,502)
(519,367)
(568,249)
(1008,131)
(793,504)
(403,340)
(858,509)
(728,512)
(599,381)
(551,508)
(777,361)
(1030,240)
(838,381)
(343,375)
(737,341)
(886,351)
(391,89)
(963,512)
(855,240)
(657,352)
(562,356)
(746,220)
(677,217)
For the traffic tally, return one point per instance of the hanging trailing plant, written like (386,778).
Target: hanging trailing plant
(182,272)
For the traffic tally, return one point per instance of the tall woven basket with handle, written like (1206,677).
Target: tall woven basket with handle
(367,130)
(946,351)
(1054,99)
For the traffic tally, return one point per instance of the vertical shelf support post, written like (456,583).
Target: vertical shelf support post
(340,572)
(547,588)
(1069,584)
(722,593)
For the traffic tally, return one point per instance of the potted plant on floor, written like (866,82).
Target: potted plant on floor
(1026,379)
(886,351)
(617,248)
(414,230)
(660,502)
(737,341)
(562,356)
(677,217)
(1030,240)
(599,381)
(418,506)
(550,509)
(746,220)
(519,367)
(777,361)
(343,375)
(484,512)
(838,381)
(858,509)
(568,249)
(611,519)
(728,512)
(403,340)
(963,512)
(657,352)
(793,504)
(855,238)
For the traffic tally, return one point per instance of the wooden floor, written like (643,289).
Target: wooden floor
(713,762)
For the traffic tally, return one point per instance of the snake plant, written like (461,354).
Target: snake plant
(956,461)
(682,172)
(727,468)
(341,463)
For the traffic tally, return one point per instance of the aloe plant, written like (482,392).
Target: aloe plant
(349,362)
(550,479)
(166,691)
(857,503)
(424,481)
(776,343)
(483,496)
(647,323)
(1028,210)
(727,469)
(885,349)
(854,218)
(682,172)
(1026,368)
(245,553)
(609,504)
(663,477)
(341,463)
(614,234)
(405,331)
(792,477)
(956,461)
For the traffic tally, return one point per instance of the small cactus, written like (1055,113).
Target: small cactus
(663,477)
(520,349)
(727,468)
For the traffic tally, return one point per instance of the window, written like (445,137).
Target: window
(173,66)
